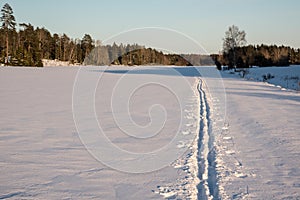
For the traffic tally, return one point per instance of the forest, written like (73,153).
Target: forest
(28,45)
(236,54)
(259,55)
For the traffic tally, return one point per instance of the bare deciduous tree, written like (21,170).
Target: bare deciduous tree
(233,38)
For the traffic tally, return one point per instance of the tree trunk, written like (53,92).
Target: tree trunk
(234,59)
(6,60)
(71,54)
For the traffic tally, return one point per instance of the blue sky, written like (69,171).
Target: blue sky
(265,21)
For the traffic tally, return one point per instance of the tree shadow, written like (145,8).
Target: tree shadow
(278,96)
(193,71)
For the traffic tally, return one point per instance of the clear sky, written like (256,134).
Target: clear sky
(265,21)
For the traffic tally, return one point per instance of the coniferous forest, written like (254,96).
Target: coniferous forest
(28,45)
(259,55)
(22,44)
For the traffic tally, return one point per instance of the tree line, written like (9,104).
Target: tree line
(107,54)
(258,55)
(29,45)
(138,55)
(236,55)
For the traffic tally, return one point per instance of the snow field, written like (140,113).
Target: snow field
(281,77)
(185,187)
(258,147)
(42,154)
(245,147)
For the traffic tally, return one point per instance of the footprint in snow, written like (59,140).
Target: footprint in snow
(225,128)
(230,152)
(189,125)
(169,195)
(227,138)
(186,132)
(181,145)
(240,175)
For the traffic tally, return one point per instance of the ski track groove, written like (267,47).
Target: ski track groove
(200,163)
(207,188)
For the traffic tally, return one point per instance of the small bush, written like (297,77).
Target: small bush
(267,77)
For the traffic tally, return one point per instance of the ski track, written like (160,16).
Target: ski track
(198,163)
(207,188)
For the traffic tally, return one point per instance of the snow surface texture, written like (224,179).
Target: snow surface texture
(281,77)
(56,63)
(199,163)
(258,152)
(254,154)
(185,187)
(42,156)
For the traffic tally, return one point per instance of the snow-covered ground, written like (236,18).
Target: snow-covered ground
(56,63)
(258,152)
(282,77)
(49,149)
(42,156)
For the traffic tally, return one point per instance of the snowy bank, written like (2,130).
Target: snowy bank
(258,149)
(56,63)
(282,77)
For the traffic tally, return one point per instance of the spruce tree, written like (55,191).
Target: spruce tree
(87,45)
(8,23)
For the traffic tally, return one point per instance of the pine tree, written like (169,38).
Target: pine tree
(8,23)
(87,45)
